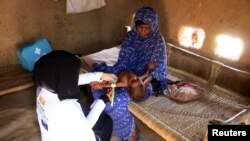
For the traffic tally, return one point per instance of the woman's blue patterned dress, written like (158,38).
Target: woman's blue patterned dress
(136,52)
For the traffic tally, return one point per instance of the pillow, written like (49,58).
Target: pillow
(184,91)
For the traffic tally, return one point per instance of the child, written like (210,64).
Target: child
(136,85)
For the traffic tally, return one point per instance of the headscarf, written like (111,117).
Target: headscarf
(58,71)
(149,17)
(136,51)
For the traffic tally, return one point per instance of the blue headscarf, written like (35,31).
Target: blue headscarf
(136,51)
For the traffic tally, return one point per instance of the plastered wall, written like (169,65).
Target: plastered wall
(22,21)
(215,17)
(229,17)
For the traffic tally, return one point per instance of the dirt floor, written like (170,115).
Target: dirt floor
(18,119)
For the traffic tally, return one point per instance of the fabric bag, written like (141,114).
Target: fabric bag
(184,91)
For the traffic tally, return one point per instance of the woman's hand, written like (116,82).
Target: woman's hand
(109,77)
(151,65)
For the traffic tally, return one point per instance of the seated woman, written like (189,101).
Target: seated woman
(143,44)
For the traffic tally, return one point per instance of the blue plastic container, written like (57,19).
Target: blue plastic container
(30,53)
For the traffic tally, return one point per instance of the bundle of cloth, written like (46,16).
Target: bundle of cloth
(184,91)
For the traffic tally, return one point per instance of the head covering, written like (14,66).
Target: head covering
(142,50)
(148,16)
(58,71)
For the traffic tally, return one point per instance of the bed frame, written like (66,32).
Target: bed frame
(188,121)
(14,78)
(176,121)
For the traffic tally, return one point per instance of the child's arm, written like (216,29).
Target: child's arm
(146,77)
(98,85)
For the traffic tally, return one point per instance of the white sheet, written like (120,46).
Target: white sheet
(78,6)
(109,56)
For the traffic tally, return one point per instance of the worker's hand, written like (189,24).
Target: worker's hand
(109,77)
